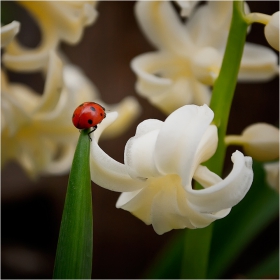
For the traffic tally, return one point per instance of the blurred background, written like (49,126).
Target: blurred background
(124,246)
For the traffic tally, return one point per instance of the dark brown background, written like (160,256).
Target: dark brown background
(123,245)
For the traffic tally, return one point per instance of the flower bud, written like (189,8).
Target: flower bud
(271,31)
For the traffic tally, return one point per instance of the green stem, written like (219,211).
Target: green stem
(197,242)
(225,84)
(74,250)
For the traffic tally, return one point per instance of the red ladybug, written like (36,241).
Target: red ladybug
(88,114)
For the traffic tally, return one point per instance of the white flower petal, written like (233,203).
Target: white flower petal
(8,32)
(162,26)
(258,64)
(209,25)
(226,193)
(271,31)
(177,145)
(62,164)
(128,110)
(107,172)
(139,155)
(58,21)
(53,85)
(206,65)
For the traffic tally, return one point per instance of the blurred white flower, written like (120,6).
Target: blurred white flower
(8,32)
(189,55)
(259,140)
(161,161)
(37,131)
(58,21)
(271,31)
(272,174)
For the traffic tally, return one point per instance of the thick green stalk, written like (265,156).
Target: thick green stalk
(74,250)
(197,242)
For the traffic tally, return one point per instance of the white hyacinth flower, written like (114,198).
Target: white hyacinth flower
(37,130)
(58,21)
(188,55)
(161,161)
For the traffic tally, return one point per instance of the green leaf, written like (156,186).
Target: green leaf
(268,268)
(247,219)
(74,250)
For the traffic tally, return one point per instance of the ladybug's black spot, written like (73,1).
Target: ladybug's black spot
(89,121)
(92,109)
(101,114)
(73,116)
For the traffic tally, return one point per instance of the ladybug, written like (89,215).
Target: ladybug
(88,114)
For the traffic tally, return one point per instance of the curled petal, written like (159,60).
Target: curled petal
(226,193)
(258,63)
(166,81)
(271,31)
(62,164)
(164,204)
(107,172)
(177,145)
(8,32)
(53,85)
(128,110)
(139,155)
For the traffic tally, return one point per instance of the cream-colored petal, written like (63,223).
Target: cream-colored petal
(258,64)
(62,164)
(271,31)
(165,81)
(209,25)
(157,204)
(58,21)
(107,172)
(226,193)
(179,139)
(206,65)
(161,25)
(53,85)
(8,32)
(205,177)
(272,174)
